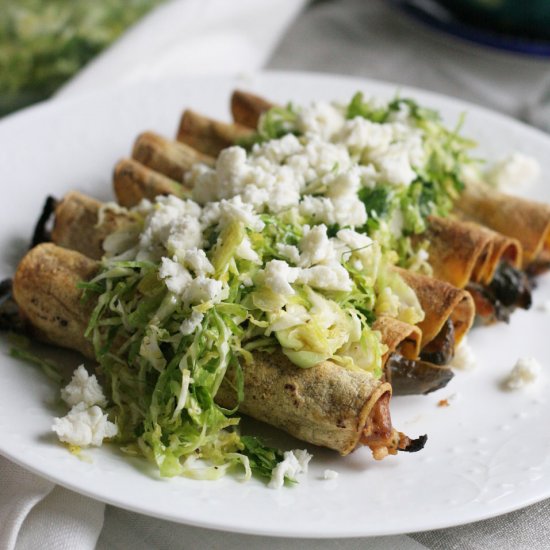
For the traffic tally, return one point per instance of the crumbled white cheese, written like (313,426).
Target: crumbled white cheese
(83,388)
(192,323)
(349,211)
(303,458)
(395,166)
(526,371)
(235,209)
(330,474)
(278,275)
(272,176)
(204,289)
(321,118)
(344,211)
(278,150)
(196,260)
(515,170)
(360,133)
(320,158)
(320,209)
(176,277)
(464,358)
(315,247)
(294,463)
(410,139)
(326,277)
(289,251)
(172,225)
(84,426)
(346,184)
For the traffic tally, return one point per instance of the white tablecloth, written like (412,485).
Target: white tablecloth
(358,37)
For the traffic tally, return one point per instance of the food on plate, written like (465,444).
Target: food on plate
(418,173)
(299,266)
(448,311)
(209,136)
(522,219)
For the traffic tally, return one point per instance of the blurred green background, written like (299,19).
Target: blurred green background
(45,42)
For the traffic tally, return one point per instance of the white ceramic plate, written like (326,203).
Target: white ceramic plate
(487,453)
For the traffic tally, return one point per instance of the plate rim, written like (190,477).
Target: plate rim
(105,93)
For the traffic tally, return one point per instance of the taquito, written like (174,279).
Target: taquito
(326,405)
(133,182)
(207,135)
(463,252)
(401,338)
(165,156)
(247,108)
(522,219)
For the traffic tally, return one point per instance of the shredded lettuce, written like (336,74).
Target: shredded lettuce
(163,381)
(397,214)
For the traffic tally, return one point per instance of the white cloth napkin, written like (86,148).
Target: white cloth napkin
(342,36)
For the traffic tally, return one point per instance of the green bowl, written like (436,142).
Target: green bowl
(524,18)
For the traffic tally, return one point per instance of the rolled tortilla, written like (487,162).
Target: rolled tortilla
(45,289)
(463,252)
(77,224)
(165,156)
(207,135)
(440,301)
(326,405)
(398,336)
(133,182)
(518,218)
(247,108)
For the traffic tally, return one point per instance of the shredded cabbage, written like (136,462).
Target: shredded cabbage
(396,213)
(163,380)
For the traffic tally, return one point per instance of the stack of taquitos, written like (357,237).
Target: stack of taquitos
(155,158)
(447,309)
(486,259)
(326,405)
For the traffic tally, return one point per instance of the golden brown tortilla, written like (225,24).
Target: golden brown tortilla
(133,182)
(76,224)
(518,218)
(247,108)
(440,301)
(463,252)
(398,336)
(207,135)
(165,156)
(45,289)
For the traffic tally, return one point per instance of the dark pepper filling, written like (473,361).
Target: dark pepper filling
(426,374)
(510,288)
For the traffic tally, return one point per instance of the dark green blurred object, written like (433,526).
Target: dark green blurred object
(45,42)
(522,18)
